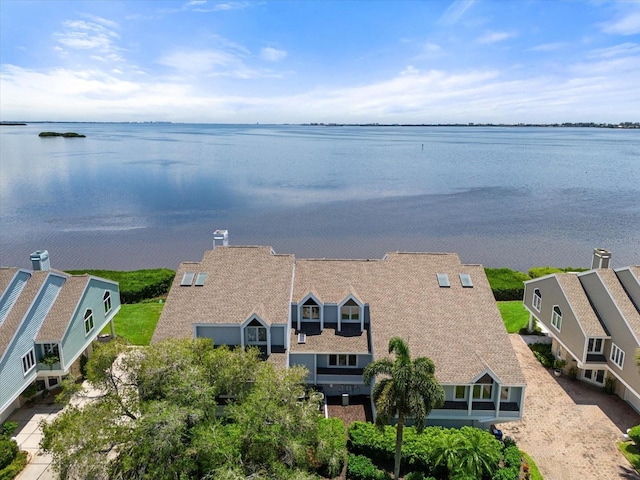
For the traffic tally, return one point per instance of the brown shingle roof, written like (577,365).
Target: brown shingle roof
(349,340)
(580,305)
(57,320)
(6,275)
(20,308)
(240,280)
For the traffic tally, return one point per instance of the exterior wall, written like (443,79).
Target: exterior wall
(306,360)
(330,314)
(220,334)
(278,335)
(362,360)
(570,333)
(75,340)
(631,284)
(12,377)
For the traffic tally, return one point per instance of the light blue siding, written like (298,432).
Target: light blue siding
(330,314)
(221,334)
(12,377)
(75,340)
(278,335)
(12,293)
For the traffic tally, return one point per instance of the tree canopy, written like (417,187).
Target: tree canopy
(182,409)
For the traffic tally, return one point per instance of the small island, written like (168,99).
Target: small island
(65,135)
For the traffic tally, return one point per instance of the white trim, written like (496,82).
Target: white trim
(483,373)
(30,363)
(556,318)
(84,321)
(616,351)
(536,302)
(311,296)
(595,339)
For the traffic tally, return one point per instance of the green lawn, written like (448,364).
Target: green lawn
(533,468)
(136,322)
(514,315)
(631,452)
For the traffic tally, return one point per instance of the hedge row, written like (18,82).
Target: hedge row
(360,467)
(137,285)
(506,284)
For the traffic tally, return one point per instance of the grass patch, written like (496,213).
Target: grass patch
(533,468)
(136,322)
(514,315)
(631,453)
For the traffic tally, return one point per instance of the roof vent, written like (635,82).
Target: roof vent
(220,238)
(302,338)
(40,260)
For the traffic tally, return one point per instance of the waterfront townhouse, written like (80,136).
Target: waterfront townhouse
(593,318)
(336,316)
(48,320)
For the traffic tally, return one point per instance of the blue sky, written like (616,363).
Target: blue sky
(320,61)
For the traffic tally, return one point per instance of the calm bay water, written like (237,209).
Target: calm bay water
(148,195)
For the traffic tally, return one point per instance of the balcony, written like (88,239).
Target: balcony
(46,367)
(596,358)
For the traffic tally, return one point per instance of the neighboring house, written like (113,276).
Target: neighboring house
(593,318)
(48,319)
(336,316)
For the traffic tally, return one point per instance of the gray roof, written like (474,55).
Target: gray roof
(580,304)
(241,282)
(460,329)
(57,320)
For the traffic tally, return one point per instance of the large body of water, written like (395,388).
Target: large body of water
(149,195)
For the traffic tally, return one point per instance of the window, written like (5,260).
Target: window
(465,280)
(461,392)
(51,349)
(617,355)
(556,317)
(53,381)
(106,301)
(537,299)
(256,334)
(343,360)
(28,361)
(350,311)
(482,391)
(187,278)
(200,279)
(504,394)
(443,280)
(88,321)
(310,310)
(595,345)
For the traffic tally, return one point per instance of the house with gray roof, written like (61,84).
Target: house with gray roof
(336,316)
(48,319)
(593,318)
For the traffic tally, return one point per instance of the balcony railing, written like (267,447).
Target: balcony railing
(339,371)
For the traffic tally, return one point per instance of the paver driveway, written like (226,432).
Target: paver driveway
(570,428)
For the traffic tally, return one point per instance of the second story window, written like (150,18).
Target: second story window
(106,301)
(537,299)
(556,318)
(51,349)
(343,360)
(310,310)
(595,345)
(350,311)
(88,321)
(28,361)
(617,355)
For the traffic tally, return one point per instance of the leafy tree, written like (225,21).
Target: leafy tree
(407,389)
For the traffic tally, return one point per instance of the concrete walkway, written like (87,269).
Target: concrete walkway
(29,435)
(570,428)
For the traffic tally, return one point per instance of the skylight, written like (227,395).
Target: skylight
(302,338)
(465,279)
(187,279)
(443,280)
(200,279)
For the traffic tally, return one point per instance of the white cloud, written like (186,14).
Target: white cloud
(627,48)
(97,35)
(272,54)
(454,12)
(494,37)
(548,47)
(627,25)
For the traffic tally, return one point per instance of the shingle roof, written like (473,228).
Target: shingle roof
(622,300)
(240,279)
(6,275)
(20,309)
(57,320)
(349,340)
(580,304)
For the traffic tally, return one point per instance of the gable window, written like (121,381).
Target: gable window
(461,392)
(556,317)
(617,355)
(28,361)
(106,301)
(343,360)
(595,345)
(310,310)
(483,389)
(88,321)
(350,311)
(51,349)
(256,333)
(537,299)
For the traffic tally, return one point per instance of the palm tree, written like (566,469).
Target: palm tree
(408,389)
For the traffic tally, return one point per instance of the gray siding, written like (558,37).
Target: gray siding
(330,314)
(278,335)
(363,360)
(305,360)
(221,334)
(12,377)
(631,285)
(75,340)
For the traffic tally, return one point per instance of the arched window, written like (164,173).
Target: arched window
(106,301)
(537,299)
(556,317)
(88,321)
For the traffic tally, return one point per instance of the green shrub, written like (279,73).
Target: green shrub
(12,470)
(542,352)
(366,439)
(137,285)
(8,451)
(512,473)
(537,272)
(8,428)
(360,467)
(634,434)
(512,457)
(506,284)
(509,442)
(332,446)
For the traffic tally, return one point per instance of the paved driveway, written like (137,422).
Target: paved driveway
(569,427)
